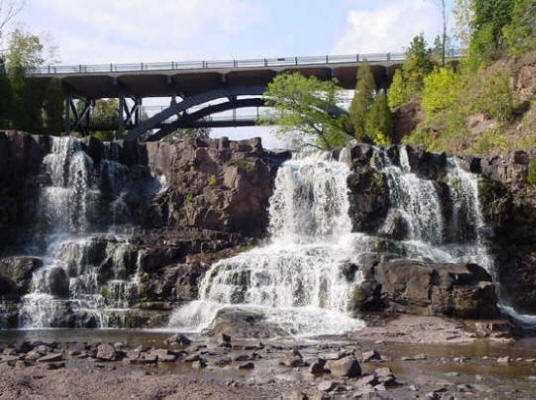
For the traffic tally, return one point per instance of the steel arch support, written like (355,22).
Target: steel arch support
(216,108)
(176,108)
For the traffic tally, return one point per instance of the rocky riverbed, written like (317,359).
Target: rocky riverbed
(443,361)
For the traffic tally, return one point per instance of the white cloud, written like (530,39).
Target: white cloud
(389,28)
(141,30)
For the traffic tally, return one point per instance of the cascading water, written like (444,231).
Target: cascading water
(296,281)
(85,280)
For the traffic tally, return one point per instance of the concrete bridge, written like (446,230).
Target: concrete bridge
(196,86)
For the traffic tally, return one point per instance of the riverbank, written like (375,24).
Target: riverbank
(123,364)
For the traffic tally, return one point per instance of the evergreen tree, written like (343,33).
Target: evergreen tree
(418,64)
(379,121)
(53,106)
(362,101)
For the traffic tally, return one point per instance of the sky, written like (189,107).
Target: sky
(124,31)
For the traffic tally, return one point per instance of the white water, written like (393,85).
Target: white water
(99,286)
(297,279)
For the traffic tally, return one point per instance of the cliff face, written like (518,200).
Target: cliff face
(188,203)
(163,211)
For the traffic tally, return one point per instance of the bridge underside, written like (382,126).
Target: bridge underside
(188,91)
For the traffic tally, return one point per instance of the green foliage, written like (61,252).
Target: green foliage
(532,172)
(104,113)
(25,51)
(520,33)
(397,91)
(419,63)
(105,291)
(493,96)
(439,90)
(188,198)
(491,141)
(379,124)
(212,181)
(197,133)
(243,165)
(53,107)
(26,107)
(306,112)
(6,98)
(362,101)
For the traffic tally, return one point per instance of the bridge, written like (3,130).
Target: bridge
(194,87)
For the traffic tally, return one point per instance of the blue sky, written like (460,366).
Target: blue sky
(104,31)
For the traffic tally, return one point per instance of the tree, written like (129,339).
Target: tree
(379,124)
(398,93)
(520,33)
(419,63)
(464,14)
(306,111)
(8,11)
(440,91)
(6,97)
(362,101)
(25,51)
(25,54)
(53,106)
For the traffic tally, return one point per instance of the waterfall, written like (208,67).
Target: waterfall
(85,280)
(297,280)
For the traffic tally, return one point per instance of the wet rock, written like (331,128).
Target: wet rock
(106,352)
(199,364)
(504,360)
(318,367)
(371,355)
(294,395)
(19,271)
(54,357)
(458,290)
(248,365)
(58,282)
(224,340)
(345,367)
(55,365)
(178,340)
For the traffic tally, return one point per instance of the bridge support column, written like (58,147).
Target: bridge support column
(68,101)
(120,117)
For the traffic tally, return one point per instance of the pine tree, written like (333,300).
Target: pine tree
(398,93)
(379,122)
(362,101)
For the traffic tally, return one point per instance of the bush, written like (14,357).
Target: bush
(397,91)
(493,96)
(440,91)
(212,181)
(532,172)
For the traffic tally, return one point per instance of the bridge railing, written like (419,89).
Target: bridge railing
(220,64)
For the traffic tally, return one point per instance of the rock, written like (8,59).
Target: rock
(106,352)
(19,271)
(244,324)
(248,365)
(53,357)
(199,364)
(55,365)
(224,340)
(345,367)
(503,360)
(327,386)
(372,355)
(58,282)
(456,290)
(178,340)
(318,367)
(294,395)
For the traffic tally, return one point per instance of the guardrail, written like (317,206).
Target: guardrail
(247,63)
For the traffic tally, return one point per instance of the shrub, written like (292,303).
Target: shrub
(440,91)
(494,96)
(212,181)
(532,172)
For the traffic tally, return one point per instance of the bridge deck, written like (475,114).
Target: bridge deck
(185,79)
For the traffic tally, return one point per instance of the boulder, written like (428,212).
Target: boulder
(345,367)
(58,282)
(456,290)
(19,270)
(106,352)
